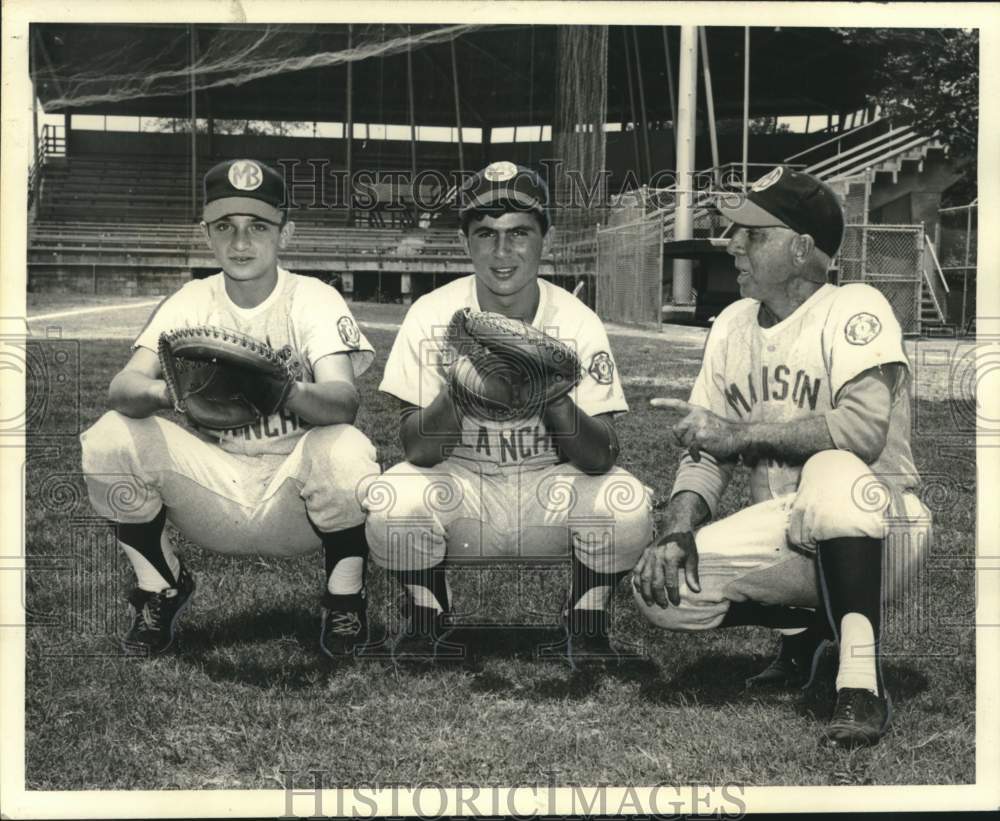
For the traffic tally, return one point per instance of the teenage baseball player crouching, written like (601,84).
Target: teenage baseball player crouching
(806,383)
(475,487)
(278,487)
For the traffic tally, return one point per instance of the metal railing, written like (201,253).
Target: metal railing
(839,139)
(851,156)
(50,143)
(937,287)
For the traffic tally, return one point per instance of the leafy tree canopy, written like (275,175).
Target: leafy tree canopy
(930,79)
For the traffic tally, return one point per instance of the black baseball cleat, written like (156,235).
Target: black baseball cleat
(585,641)
(343,624)
(797,660)
(424,635)
(860,718)
(154,617)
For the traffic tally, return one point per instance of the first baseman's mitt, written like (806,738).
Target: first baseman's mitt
(512,362)
(224,379)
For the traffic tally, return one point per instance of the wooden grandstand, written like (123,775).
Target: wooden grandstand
(124,223)
(117,212)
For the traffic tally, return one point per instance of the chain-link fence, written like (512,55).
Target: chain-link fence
(855,193)
(630,272)
(889,257)
(957,238)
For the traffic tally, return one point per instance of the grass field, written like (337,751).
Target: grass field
(249,697)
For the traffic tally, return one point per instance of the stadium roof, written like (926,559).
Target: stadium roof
(506,74)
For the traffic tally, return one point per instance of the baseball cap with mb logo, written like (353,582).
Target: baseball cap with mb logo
(791,199)
(244,187)
(505,182)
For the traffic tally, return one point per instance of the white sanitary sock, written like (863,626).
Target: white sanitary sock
(149,578)
(594,599)
(857,654)
(347,576)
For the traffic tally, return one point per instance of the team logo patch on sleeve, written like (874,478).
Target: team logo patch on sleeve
(602,368)
(862,328)
(349,333)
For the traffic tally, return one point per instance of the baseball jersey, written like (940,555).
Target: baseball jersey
(416,371)
(796,368)
(302,312)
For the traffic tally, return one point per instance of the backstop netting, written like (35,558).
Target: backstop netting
(577,183)
(630,268)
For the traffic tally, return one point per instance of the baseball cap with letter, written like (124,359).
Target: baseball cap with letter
(244,187)
(792,199)
(505,182)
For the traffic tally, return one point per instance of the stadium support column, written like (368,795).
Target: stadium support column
(349,130)
(34,125)
(710,105)
(194,127)
(746,103)
(687,102)
(413,129)
(631,101)
(642,105)
(458,106)
(670,88)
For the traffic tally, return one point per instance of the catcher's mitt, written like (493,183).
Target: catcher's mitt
(513,362)
(224,379)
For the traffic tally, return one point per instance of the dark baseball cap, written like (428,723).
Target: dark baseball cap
(244,187)
(505,182)
(793,199)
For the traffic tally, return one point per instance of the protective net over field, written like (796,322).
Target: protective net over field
(630,266)
(577,182)
(578,138)
(232,56)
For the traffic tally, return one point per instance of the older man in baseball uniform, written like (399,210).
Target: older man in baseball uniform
(279,487)
(806,384)
(540,486)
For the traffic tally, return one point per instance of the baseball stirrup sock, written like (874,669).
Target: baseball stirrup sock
(428,587)
(851,584)
(148,549)
(591,590)
(345,555)
(751,613)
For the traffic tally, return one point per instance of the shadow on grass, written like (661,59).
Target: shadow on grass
(273,648)
(713,679)
(903,682)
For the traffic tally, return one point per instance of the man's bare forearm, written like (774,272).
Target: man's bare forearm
(429,434)
(685,511)
(791,442)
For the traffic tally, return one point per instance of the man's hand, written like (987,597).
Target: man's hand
(656,574)
(700,429)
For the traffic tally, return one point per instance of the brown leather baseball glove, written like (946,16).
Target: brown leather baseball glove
(221,378)
(504,368)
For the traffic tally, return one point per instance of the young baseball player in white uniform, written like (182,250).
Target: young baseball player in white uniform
(541,486)
(280,487)
(806,383)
